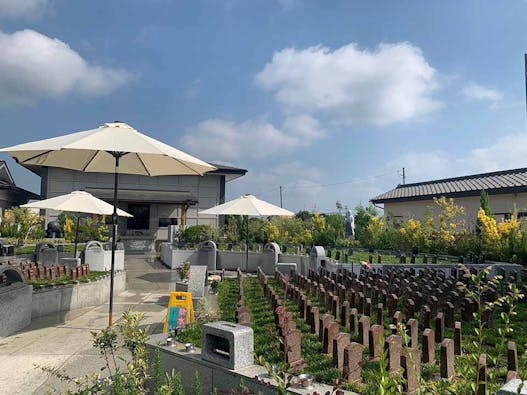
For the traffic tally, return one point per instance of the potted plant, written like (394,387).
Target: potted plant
(184,271)
(214,281)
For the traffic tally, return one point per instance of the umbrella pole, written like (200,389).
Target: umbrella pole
(116,155)
(247,245)
(76,237)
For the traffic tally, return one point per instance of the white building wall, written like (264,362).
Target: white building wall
(499,205)
(206,189)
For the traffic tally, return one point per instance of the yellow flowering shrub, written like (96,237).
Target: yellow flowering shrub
(69,229)
(373,233)
(21,223)
(510,228)
(447,223)
(271,231)
(488,229)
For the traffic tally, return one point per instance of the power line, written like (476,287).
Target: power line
(337,183)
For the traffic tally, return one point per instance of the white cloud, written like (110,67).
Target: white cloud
(473,91)
(507,153)
(390,84)
(22,8)
(221,140)
(300,182)
(423,166)
(35,66)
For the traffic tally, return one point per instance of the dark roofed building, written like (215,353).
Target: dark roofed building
(507,190)
(155,202)
(10,194)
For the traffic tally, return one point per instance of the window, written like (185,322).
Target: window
(164,222)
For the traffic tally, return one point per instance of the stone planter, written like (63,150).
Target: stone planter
(182,286)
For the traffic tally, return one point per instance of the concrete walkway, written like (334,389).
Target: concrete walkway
(63,341)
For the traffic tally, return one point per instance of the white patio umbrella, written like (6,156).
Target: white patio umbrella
(77,202)
(248,205)
(112,148)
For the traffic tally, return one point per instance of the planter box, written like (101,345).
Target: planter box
(100,258)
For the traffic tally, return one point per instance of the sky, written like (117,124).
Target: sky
(327,99)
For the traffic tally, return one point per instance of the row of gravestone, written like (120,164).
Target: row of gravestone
(406,360)
(37,271)
(426,258)
(392,286)
(370,336)
(291,337)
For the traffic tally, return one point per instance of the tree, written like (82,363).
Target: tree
(363,216)
(336,226)
(304,215)
(20,223)
(447,223)
(484,201)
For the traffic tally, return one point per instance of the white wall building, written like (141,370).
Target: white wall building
(507,191)
(155,202)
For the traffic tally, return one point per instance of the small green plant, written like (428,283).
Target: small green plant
(284,380)
(173,385)
(183,270)
(197,384)
(123,376)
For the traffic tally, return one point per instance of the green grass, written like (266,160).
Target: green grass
(318,363)
(265,336)
(191,334)
(228,292)
(30,249)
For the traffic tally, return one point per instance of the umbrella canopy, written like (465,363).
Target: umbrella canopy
(248,205)
(93,151)
(77,202)
(112,148)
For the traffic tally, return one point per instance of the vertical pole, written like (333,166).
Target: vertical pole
(247,245)
(404,177)
(114,234)
(76,237)
(281,197)
(525,58)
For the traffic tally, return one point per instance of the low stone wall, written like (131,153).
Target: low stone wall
(232,260)
(15,308)
(173,257)
(215,377)
(51,300)
(228,260)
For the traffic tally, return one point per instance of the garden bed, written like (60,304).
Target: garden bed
(64,280)
(266,344)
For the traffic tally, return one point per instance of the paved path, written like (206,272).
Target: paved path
(63,341)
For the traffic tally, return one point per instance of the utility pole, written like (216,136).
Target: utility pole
(404,177)
(281,197)
(525,57)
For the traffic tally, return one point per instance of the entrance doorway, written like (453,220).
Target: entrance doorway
(141,216)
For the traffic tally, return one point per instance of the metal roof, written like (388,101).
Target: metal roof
(498,182)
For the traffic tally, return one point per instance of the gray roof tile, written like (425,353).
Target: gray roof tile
(494,182)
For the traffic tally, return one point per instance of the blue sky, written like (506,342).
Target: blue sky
(330,99)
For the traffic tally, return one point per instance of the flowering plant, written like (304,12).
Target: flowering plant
(184,270)
(214,281)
